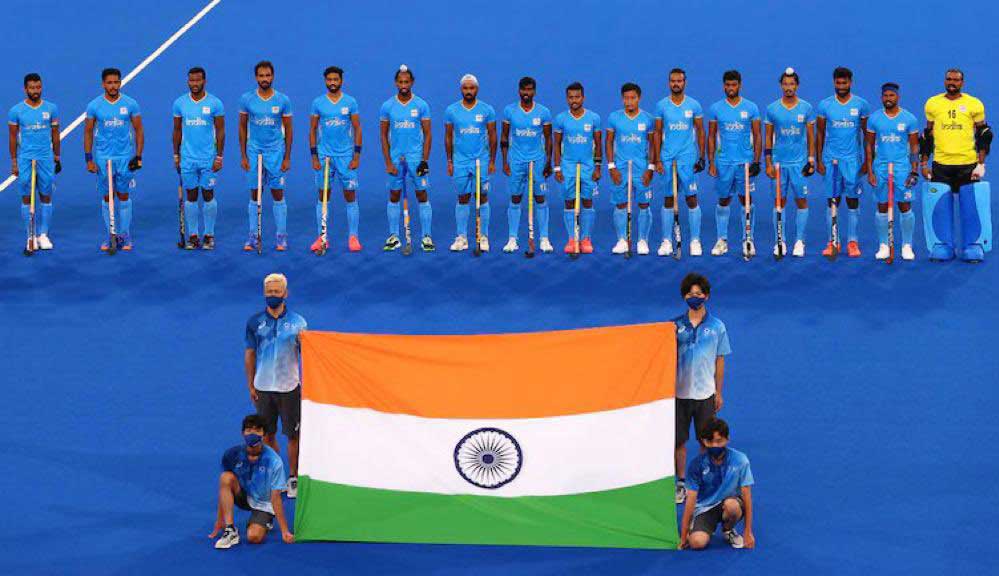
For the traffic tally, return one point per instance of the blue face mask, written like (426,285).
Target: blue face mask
(274,302)
(716,452)
(695,302)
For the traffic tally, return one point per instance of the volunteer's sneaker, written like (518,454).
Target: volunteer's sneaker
(570,246)
(665,248)
(681,494)
(546,246)
(42,241)
(621,247)
(208,243)
(392,243)
(586,246)
(293,487)
(783,248)
(125,242)
(721,247)
(251,243)
(882,253)
(427,243)
(831,249)
(193,243)
(230,537)
(318,244)
(484,243)
(734,538)
(642,248)
(695,247)
(460,244)
(853,249)
(799,249)
(281,242)
(511,245)
(353,244)
(907,253)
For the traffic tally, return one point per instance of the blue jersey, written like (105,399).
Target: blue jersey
(577,136)
(336,130)
(278,350)
(405,125)
(843,137)
(35,125)
(470,130)
(527,137)
(265,132)
(256,479)
(113,136)
(197,120)
(735,130)
(716,482)
(790,130)
(891,137)
(696,351)
(678,129)
(631,138)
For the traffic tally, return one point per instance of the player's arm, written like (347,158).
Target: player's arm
(719,381)
(88,143)
(505,147)
(810,143)
(757,141)
(699,128)
(140,142)
(288,138)
(913,177)
(820,142)
(597,154)
(250,366)
(769,147)
(491,131)
(278,506)
(449,147)
(983,139)
(747,515)
(219,142)
(863,130)
(712,146)
(12,132)
(427,138)
(612,169)
(386,155)
(314,140)
(688,513)
(656,145)
(244,120)
(869,139)
(557,156)
(355,122)
(177,139)
(56,143)
(547,131)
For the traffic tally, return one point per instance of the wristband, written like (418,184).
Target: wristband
(176,155)
(557,169)
(88,157)
(314,151)
(357,149)
(811,159)
(610,165)
(218,156)
(768,152)
(651,166)
(598,162)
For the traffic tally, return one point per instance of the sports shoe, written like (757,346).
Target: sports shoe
(546,246)
(721,247)
(193,243)
(392,243)
(484,243)
(251,243)
(734,538)
(621,247)
(230,537)
(853,249)
(882,253)
(427,243)
(292,487)
(208,243)
(125,242)
(353,244)
(460,244)
(751,246)
(511,245)
(318,244)
(783,248)
(586,246)
(570,246)
(642,248)
(907,253)
(831,249)
(281,242)
(106,245)
(42,241)
(799,249)
(695,247)
(681,494)
(665,248)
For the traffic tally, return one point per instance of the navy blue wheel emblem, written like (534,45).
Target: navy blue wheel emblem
(488,458)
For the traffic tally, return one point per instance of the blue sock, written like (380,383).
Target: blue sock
(851,224)
(393,209)
(211,209)
(908,225)
(881,219)
(542,210)
(620,222)
(26,218)
(800,224)
(513,219)
(644,223)
(666,215)
(319,218)
(353,218)
(106,213)
(694,218)
(569,219)
(251,216)
(426,217)
(191,217)
(485,211)
(461,212)
(46,219)
(721,220)
(281,217)
(588,217)
(126,216)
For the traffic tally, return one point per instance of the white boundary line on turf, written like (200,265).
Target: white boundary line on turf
(135,72)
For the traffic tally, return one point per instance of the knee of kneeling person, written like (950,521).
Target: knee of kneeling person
(732,508)
(698,540)
(255,534)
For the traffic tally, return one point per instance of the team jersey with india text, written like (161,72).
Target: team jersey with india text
(631,138)
(891,137)
(954,128)
(735,130)
(527,139)
(470,130)
(790,130)
(197,120)
(577,136)
(843,138)
(265,128)
(34,124)
(113,136)
(336,130)
(678,129)
(405,125)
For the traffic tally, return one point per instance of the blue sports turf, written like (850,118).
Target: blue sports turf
(863,394)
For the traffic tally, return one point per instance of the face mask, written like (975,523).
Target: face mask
(716,452)
(695,302)
(274,302)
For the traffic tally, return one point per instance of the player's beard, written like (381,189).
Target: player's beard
(952,89)
(843,93)
(264,85)
(35,97)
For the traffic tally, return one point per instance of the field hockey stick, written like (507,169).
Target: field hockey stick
(29,250)
(779,248)
(182,223)
(530,210)
(677,237)
(407,248)
(891,213)
(112,236)
(260,199)
(627,234)
(834,214)
(575,214)
(477,251)
(323,222)
(747,233)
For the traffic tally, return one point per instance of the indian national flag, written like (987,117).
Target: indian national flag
(553,438)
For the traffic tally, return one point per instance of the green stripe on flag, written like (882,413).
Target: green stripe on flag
(641,516)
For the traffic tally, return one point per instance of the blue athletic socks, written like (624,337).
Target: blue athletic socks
(353,218)
(644,223)
(426,216)
(319,217)
(191,217)
(393,209)
(46,220)
(251,215)
(881,219)
(721,220)
(26,218)
(694,218)
(513,219)
(587,218)
(126,216)
(485,211)
(800,224)
(853,214)
(106,213)
(908,225)
(568,218)
(211,210)
(461,212)
(620,222)
(666,215)
(281,217)
(542,210)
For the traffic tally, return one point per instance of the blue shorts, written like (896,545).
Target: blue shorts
(902,194)
(587,187)
(640,193)
(518,183)
(464,178)
(339,172)
(732,180)
(412,181)
(272,176)
(44,176)
(197,174)
(686,179)
(844,175)
(124,180)
(792,182)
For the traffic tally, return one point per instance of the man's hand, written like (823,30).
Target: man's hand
(244,162)
(355,161)
(422,168)
(253,394)
(749,540)
(219,524)
(647,178)
(559,177)
(217,164)
(820,167)
(135,164)
(771,171)
(176,162)
(683,540)
(871,178)
(596,174)
(719,402)
(315,163)
(660,169)
(863,168)
(754,169)
(699,165)
(450,168)
(91,167)
(13,168)
(288,537)
(615,175)
(390,169)
(547,170)
(286,164)
(712,170)
(912,179)
(979,172)
(492,166)
(927,172)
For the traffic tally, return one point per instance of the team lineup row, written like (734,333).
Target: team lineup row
(842,139)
